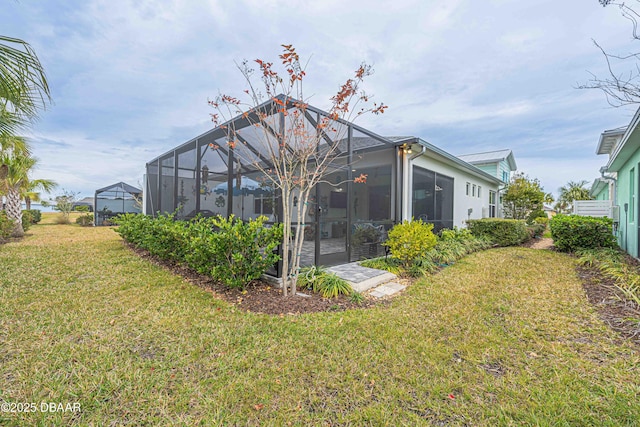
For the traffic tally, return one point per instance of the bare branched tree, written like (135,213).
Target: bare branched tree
(620,87)
(295,150)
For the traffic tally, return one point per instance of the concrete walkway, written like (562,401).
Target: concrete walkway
(362,279)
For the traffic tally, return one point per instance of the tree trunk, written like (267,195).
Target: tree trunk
(27,202)
(286,240)
(14,211)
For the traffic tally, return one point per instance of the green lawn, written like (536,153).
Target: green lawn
(503,337)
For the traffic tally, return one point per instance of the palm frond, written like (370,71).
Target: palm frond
(23,83)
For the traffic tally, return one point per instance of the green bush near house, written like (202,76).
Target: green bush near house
(6,226)
(410,240)
(241,251)
(503,232)
(36,215)
(85,220)
(573,232)
(451,245)
(229,250)
(26,220)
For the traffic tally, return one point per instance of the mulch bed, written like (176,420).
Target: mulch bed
(260,296)
(610,303)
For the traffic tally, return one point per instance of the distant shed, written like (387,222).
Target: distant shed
(116,199)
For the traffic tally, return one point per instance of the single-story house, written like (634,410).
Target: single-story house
(407,177)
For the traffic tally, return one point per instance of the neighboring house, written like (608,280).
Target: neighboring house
(620,180)
(500,163)
(602,189)
(407,177)
(549,211)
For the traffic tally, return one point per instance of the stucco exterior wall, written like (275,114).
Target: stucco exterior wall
(461,202)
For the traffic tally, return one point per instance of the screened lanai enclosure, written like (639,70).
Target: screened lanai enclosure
(346,220)
(114,200)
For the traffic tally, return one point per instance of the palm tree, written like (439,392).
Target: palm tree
(30,191)
(574,190)
(10,144)
(18,167)
(24,89)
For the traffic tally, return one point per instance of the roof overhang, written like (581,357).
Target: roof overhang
(511,160)
(629,143)
(598,185)
(609,140)
(487,159)
(450,159)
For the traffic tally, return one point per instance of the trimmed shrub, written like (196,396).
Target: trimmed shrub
(572,232)
(502,232)
(243,250)
(410,240)
(85,220)
(455,234)
(229,250)
(26,220)
(36,215)
(6,226)
(452,245)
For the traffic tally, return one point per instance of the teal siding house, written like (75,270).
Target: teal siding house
(620,180)
(499,164)
(601,189)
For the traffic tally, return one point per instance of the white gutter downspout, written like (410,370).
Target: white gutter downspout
(408,184)
(616,226)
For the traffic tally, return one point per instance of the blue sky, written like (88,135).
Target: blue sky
(131,79)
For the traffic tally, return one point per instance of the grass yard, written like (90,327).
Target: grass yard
(503,337)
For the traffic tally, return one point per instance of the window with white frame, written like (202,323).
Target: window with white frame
(492,204)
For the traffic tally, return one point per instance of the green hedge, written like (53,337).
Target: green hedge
(36,215)
(27,220)
(572,232)
(6,226)
(502,232)
(231,251)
